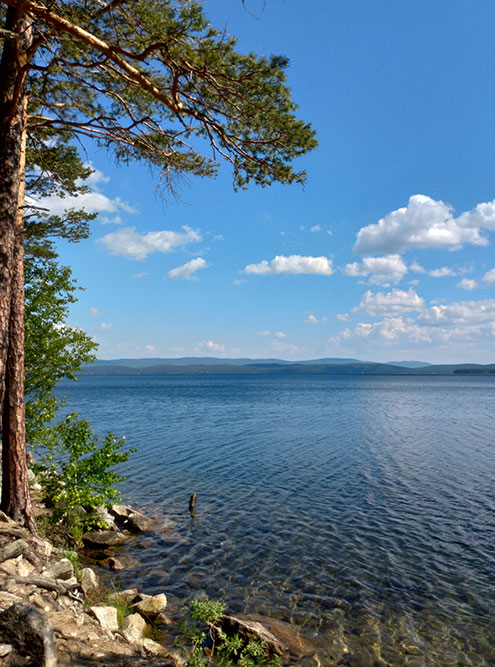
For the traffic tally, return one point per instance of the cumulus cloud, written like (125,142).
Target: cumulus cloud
(92,202)
(467,284)
(463,321)
(105,325)
(94,312)
(389,304)
(489,277)
(210,346)
(293,264)
(343,317)
(280,334)
(441,272)
(186,271)
(127,242)
(312,319)
(426,223)
(378,270)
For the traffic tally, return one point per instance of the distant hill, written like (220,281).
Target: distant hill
(210,365)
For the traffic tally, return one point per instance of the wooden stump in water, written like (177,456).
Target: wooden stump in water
(192,502)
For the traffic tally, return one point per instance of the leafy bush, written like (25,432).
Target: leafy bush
(76,474)
(232,650)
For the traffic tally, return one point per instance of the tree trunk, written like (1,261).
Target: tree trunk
(16,501)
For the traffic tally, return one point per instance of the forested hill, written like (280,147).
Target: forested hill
(210,365)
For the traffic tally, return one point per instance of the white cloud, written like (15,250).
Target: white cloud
(489,277)
(416,267)
(92,202)
(210,346)
(293,264)
(426,223)
(127,242)
(94,178)
(285,348)
(343,317)
(94,312)
(441,272)
(389,304)
(280,334)
(467,284)
(312,319)
(186,271)
(462,322)
(137,276)
(316,228)
(378,270)
(105,325)
(266,332)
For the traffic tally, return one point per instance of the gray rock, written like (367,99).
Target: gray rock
(127,596)
(153,647)
(121,512)
(5,649)
(133,627)
(106,617)
(139,523)
(30,632)
(150,606)
(90,583)
(105,516)
(98,539)
(63,569)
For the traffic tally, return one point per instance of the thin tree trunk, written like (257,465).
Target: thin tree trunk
(16,500)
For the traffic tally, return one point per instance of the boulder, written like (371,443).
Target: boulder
(90,583)
(127,596)
(121,512)
(30,632)
(105,516)
(12,550)
(150,606)
(139,523)
(63,569)
(99,539)
(153,647)
(106,617)
(133,627)
(280,638)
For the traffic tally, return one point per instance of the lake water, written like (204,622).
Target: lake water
(360,508)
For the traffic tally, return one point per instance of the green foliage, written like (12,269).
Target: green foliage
(158,84)
(226,650)
(76,474)
(207,611)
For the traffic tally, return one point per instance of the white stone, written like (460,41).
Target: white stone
(106,617)
(133,627)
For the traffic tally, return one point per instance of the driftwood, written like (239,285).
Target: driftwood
(49,584)
(13,550)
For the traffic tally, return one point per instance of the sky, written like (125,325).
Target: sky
(386,253)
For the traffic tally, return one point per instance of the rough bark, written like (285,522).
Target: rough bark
(16,500)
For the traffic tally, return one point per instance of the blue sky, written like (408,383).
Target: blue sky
(385,254)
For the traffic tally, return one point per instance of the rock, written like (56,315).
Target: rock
(150,606)
(31,632)
(115,564)
(7,599)
(98,539)
(127,596)
(138,523)
(42,547)
(5,649)
(12,550)
(24,568)
(106,617)
(9,567)
(153,647)
(90,583)
(63,569)
(121,512)
(105,516)
(133,627)
(280,638)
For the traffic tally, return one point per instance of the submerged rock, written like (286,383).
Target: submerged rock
(280,638)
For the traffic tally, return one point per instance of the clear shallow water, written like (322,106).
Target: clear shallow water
(362,508)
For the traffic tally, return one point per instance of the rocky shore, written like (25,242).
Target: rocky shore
(56,613)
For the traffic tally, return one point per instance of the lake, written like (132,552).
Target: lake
(360,508)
